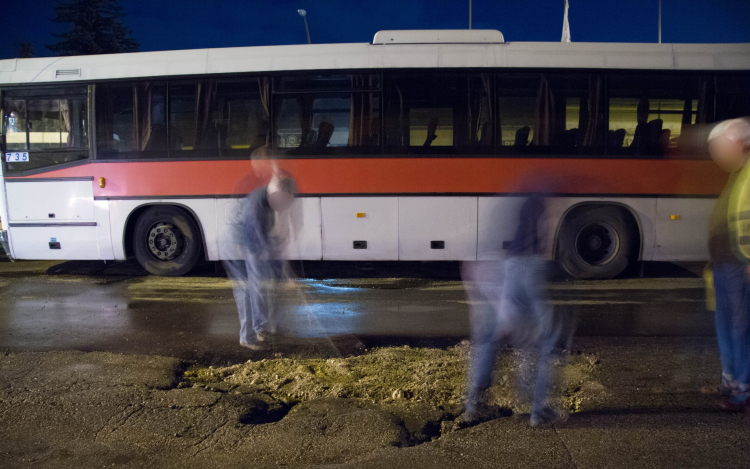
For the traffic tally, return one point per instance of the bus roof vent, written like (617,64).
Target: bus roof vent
(73,72)
(440,36)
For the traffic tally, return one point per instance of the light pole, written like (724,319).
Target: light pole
(659,21)
(303,14)
(469,14)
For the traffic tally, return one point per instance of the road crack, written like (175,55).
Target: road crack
(565,445)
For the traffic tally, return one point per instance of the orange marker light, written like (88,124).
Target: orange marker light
(674,217)
(360,215)
(101,183)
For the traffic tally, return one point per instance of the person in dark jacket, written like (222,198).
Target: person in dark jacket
(253,255)
(510,307)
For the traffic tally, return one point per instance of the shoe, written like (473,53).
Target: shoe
(730,404)
(253,346)
(716,391)
(262,336)
(547,416)
(480,414)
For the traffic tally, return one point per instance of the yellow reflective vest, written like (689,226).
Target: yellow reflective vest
(738,216)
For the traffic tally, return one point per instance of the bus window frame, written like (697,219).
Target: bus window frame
(92,156)
(328,152)
(48,91)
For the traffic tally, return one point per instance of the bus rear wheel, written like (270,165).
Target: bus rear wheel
(597,242)
(167,241)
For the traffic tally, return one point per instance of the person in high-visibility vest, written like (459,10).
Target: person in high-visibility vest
(729,249)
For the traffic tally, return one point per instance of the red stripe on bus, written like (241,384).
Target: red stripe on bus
(405,175)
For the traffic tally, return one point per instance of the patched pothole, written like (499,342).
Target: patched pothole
(423,387)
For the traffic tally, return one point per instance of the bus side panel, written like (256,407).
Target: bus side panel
(370,220)
(38,243)
(426,222)
(52,219)
(682,226)
(54,201)
(119,211)
(103,230)
(302,224)
(497,222)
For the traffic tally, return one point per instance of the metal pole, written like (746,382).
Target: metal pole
(307,30)
(659,21)
(469,14)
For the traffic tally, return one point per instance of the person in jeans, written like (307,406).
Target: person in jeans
(253,257)
(729,249)
(510,307)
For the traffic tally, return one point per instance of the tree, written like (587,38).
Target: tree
(24,50)
(96,28)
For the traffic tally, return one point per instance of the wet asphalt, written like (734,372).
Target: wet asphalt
(344,308)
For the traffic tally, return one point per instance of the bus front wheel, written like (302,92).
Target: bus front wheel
(167,241)
(597,242)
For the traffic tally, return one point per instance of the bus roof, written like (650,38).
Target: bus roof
(578,55)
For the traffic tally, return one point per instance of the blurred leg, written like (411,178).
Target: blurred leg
(741,341)
(728,299)
(257,276)
(483,353)
(482,282)
(548,332)
(237,273)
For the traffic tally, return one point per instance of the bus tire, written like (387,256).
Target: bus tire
(167,241)
(597,242)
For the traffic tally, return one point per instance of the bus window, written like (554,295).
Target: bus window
(74,129)
(51,125)
(345,120)
(183,115)
(648,113)
(213,118)
(240,120)
(130,120)
(732,96)
(57,123)
(550,113)
(44,123)
(443,112)
(15,124)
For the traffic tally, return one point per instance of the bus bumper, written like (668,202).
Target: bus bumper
(4,243)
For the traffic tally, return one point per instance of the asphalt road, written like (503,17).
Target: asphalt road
(90,306)
(642,352)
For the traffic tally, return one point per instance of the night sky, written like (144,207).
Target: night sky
(192,24)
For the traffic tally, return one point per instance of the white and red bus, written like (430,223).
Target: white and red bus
(403,149)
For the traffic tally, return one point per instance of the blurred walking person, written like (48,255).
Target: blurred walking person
(729,249)
(510,306)
(253,254)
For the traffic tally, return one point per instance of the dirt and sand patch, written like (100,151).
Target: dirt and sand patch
(404,375)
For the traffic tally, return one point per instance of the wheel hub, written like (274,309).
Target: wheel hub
(597,243)
(165,241)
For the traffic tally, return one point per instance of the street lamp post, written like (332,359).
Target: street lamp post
(659,21)
(303,14)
